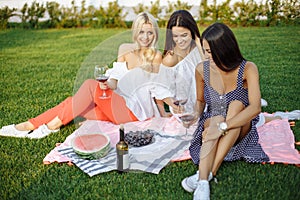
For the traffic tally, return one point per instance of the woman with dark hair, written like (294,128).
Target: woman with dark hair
(227,129)
(182,53)
(183,19)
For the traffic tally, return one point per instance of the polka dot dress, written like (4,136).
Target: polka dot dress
(248,148)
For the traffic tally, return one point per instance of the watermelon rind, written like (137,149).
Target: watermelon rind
(95,154)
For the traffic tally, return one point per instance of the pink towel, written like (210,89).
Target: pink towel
(278,142)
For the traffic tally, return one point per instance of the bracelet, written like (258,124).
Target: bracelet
(224,133)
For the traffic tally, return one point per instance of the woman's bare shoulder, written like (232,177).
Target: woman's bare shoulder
(126,48)
(158,56)
(170,60)
(250,67)
(199,68)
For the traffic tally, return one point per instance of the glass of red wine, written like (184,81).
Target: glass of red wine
(180,102)
(100,75)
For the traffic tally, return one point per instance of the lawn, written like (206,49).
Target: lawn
(41,68)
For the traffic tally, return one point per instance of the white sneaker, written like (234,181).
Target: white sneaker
(293,115)
(11,131)
(263,103)
(41,132)
(202,191)
(189,184)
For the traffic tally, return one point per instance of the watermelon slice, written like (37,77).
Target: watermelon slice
(91,146)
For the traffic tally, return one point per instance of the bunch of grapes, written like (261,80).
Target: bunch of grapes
(139,138)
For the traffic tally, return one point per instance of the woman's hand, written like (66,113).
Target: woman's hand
(103,85)
(211,133)
(166,114)
(177,109)
(110,84)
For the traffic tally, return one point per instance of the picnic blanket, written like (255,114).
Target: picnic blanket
(170,145)
(278,142)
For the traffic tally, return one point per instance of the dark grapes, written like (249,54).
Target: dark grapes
(139,138)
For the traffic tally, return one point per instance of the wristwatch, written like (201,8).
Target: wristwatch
(223,128)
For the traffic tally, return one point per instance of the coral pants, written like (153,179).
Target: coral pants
(86,103)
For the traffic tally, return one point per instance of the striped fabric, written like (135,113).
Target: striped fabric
(169,143)
(151,158)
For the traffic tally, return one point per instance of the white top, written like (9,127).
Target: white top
(180,79)
(137,87)
(118,71)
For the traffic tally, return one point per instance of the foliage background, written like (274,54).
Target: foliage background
(241,13)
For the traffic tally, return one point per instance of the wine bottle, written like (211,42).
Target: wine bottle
(122,153)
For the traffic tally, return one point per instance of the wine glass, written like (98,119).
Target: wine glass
(100,75)
(181,95)
(187,118)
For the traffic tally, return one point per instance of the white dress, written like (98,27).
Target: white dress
(180,79)
(137,87)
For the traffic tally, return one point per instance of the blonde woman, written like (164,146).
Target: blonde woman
(130,99)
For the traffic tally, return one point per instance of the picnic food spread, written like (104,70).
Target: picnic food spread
(91,146)
(139,138)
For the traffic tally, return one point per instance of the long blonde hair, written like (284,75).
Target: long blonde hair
(140,20)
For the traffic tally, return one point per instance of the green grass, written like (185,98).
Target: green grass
(39,69)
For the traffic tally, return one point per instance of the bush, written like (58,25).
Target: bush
(242,13)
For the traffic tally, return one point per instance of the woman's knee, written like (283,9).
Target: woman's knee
(234,108)
(89,85)
(90,82)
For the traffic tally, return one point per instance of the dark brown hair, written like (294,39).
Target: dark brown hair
(180,18)
(223,46)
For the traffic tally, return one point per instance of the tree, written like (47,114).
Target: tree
(247,13)
(291,11)
(31,15)
(140,8)
(5,14)
(272,11)
(155,9)
(35,12)
(82,14)
(203,12)
(181,5)
(91,15)
(24,16)
(54,14)
(112,16)
(224,12)
(69,16)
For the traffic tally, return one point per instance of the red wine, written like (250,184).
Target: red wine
(180,102)
(187,119)
(102,79)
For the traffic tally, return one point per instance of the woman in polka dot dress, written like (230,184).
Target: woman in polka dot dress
(229,85)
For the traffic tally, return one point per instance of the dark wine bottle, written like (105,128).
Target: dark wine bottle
(122,153)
